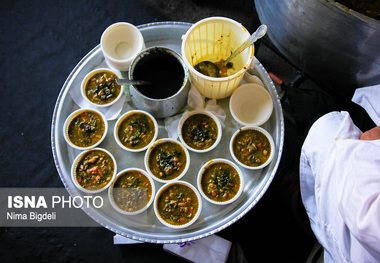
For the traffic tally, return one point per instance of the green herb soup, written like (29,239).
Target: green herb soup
(94,170)
(136,131)
(178,204)
(102,88)
(220,182)
(86,129)
(200,131)
(251,147)
(132,191)
(167,160)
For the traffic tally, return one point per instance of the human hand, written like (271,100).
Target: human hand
(373,134)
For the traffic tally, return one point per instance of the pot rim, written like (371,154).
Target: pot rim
(353,13)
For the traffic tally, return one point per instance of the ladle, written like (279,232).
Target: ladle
(213,70)
(132,82)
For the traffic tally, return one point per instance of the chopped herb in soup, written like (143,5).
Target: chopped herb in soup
(167,160)
(132,191)
(220,182)
(178,204)
(86,129)
(102,88)
(251,147)
(200,131)
(94,170)
(136,131)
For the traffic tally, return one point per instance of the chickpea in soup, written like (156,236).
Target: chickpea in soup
(178,204)
(102,88)
(136,131)
(86,129)
(132,191)
(200,131)
(94,170)
(167,160)
(251,147)
(220,182)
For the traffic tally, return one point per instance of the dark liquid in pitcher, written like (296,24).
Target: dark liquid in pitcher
(165,73)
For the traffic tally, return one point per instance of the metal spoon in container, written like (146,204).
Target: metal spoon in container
(213,70)
(132,82)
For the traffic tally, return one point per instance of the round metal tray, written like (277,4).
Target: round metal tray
(146,227)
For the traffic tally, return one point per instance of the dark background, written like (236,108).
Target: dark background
(40,44)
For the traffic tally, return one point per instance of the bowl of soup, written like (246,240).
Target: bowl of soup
(99,87)
(200,131)
(93,170)
(132,191)
(177,204)
(252,147)
(135,130)
(220,181)
(85,129)
(167,160)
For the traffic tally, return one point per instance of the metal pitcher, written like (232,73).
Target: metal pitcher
(160,108)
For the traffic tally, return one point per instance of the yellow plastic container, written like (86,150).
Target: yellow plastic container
(213,39)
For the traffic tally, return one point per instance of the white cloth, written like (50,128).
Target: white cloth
(368,98)
(340,187)
(211,249)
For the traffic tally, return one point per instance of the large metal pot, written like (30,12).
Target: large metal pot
(331,44)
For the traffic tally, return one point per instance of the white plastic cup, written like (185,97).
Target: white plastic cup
(270,139)
(213,39)
(120,43)
(87,79)
(75,114)
(188,115)
(164,188)
(206,166)
(111,189)
(251,104)
(75,165)
(123,118)
(147,158)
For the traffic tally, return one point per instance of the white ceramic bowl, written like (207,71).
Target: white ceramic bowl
(76,163)
(90,75)
(120,43)
(112,188)
(186,116)
(120,122)
(75,114)
(271,142)
(207,166)
(251,104)
(160,192)
(148,155)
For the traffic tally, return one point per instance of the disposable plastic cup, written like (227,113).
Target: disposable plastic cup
(213,39)
(120,43)
(251,104)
